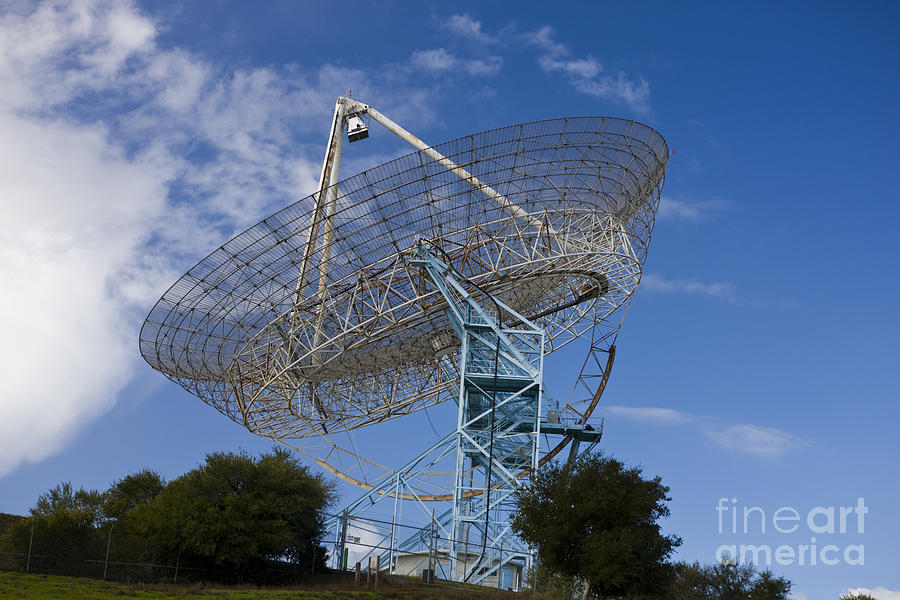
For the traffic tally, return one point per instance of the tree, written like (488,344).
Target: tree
(132,491)
(84,505)
(64,523)
(234,512)
(596,519)
(768,587)
(237,511)
(553,583)
(126,540)
(726,581)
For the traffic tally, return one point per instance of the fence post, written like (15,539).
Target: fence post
(357,573)
(466,558)
(500,568)
(432,550)
(377,568)
(30,542)
(177,563)
(394,521)
(108,540)
(343,555)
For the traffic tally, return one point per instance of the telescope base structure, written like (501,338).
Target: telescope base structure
(496,444)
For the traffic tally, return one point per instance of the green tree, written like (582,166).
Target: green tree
(726,581)
(127,541)
(552,583)
(65,524)
(132,491)
(84,505)
(596,519)
(857,597)
(237,511)
(768,587)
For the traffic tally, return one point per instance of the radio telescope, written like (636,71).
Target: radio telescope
(445,275)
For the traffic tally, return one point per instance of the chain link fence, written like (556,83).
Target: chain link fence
(55,557)
(365,544)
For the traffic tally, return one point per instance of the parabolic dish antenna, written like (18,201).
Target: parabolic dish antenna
(332,314)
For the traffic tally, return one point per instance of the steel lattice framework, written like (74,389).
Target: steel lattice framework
(323,318)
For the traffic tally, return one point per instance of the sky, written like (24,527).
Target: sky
(757,366)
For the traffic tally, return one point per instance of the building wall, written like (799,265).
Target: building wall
(414,564)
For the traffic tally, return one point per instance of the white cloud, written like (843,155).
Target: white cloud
(633,93)
(440,60)
(881,593)
(657,283)
(581,69)
(121,162)
(646,414)
(433,60)
(76,204)
(691,211)
(74,209)
(587,74)
(766,442)
(464,26)
(543,38)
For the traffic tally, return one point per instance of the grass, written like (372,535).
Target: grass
(52,587)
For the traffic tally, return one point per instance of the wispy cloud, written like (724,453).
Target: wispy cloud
(766,442)
(580,68)
(689,211)
(652,415)
(659,284)
(467,28)
(544,38)
(587,74)
(879,593)
(440,60)
(762,442)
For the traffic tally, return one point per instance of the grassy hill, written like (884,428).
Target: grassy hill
(6,520)
(50,587)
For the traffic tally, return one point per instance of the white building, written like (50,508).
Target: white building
(414,563)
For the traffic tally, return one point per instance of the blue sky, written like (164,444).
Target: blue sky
(758,360)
